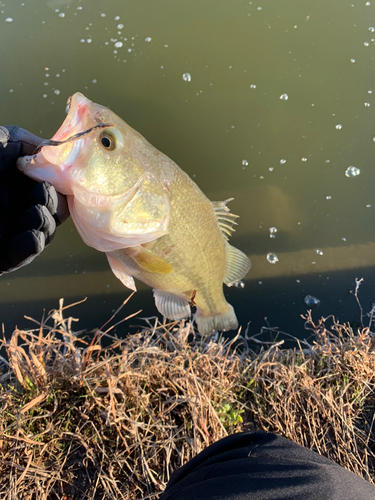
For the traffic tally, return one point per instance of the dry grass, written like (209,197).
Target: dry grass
(84,421)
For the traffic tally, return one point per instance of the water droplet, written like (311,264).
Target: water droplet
(271,169)
(318,252)
(117,18)
(11,90)
(284,97)
(366,44)
(369,91)
(120,26)
(272,258)
(367,4)
(57,91)
(338,126)
(44,96)
(118,45)
(372,29)
(94,80)
(245,163)
(82,40)
(103,15)
(9,20)
(89,40)
(186,77)
(352,60)
(328,197)
(368,206)
(79,7)
(282,161)
(343,239)
(311,301)
(367,104)
(303,159)
(352,172)
(148,39)
(253,86)
(239,284)
(272,230)
(61,14)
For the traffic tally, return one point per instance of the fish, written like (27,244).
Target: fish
(132,202)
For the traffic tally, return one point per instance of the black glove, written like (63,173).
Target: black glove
(29,211)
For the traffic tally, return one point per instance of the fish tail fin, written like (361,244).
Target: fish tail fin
(219,322)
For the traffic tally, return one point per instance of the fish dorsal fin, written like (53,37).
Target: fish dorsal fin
(171,306)
(225,218)
(238,265)
(119,270)
(148,260)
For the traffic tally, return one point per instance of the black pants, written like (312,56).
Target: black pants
(262,466)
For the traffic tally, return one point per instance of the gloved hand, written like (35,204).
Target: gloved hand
(29,211)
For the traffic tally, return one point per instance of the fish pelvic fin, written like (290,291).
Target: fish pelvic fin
(238,265)
(217,323)
(224,216)
(148,260)
(171,306)
(119,271)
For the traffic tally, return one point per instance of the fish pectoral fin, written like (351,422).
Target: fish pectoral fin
(224,216)
(171,306)
(119,270)
(148,260)
(238,265)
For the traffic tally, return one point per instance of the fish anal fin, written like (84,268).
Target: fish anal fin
(171,306)
(119,271)
(238,265)
(225,218)
(148,260)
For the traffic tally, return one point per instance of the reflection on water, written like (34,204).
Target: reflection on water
(271,103)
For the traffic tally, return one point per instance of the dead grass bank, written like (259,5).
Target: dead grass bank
(83,421)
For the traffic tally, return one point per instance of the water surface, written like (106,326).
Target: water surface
(277,102)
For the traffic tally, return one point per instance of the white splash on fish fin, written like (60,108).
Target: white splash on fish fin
(171,306)
(224,216)
(119,271)
(148,260)
(238,265)
(219,323)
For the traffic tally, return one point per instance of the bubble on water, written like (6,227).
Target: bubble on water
(318,252)
(245,163)
(57,10)
(117,18)
(148,39)
(303,159)
(367,4)
(57,91)
(239,284)
(328,197)
(118,45)
(166,45)
(352,172)
(186,77)
(367,104)
(338,126)
(372,29)
(89,40)
(311,301)
(259,8)
(343,239)
(9,20)
(272,258)
(369,91)
(61,14)
(129,50)
(44,96)
(79,7)
(82,40)
(253,86)
(366,44)
(282,161)
(368,206)
(273,230)
(352,61)
(103,15)
(271,169)
(11,90)
(46,83)
(94,80)
(284,97)
(120,26)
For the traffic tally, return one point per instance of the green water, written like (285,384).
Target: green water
(283,160)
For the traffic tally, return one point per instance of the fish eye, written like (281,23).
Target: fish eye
(107,141)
